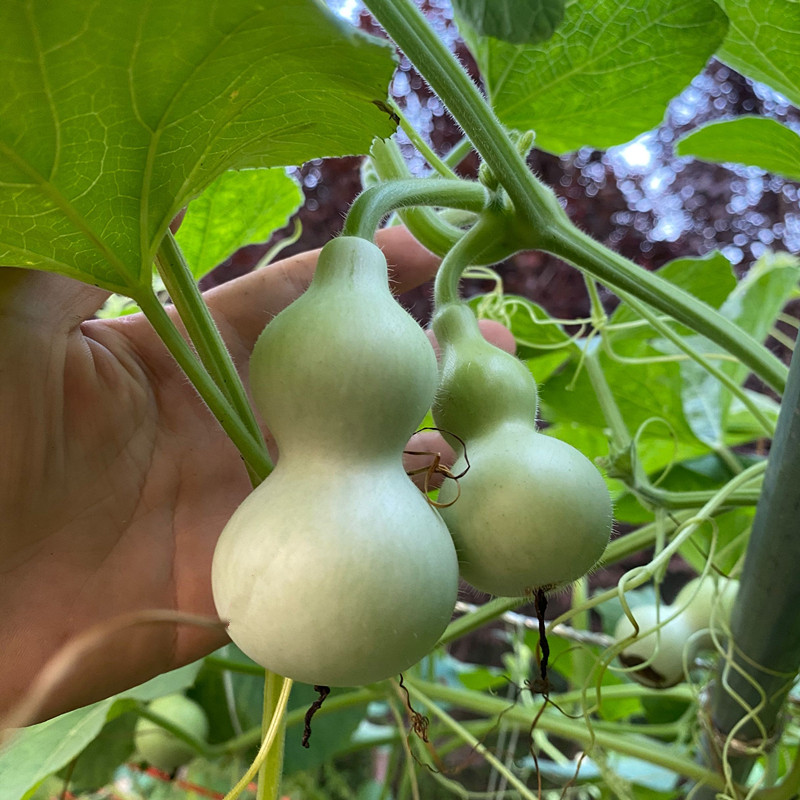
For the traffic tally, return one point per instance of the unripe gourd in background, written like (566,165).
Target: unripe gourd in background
(704,603)
(655,657)
(161,747)
(533,512)
(336,570)
(707,601)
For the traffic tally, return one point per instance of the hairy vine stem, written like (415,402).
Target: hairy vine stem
(377,202)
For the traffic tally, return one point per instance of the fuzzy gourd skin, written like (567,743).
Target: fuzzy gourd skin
(336,570)
(533,513)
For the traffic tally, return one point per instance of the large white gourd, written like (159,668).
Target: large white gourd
(336,570)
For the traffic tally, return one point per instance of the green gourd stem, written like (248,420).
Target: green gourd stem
(557,724)
(269,776)
(480,238)
(542,223)
(377,202)
(624,277)
(417,694)
(674,501)
(764,660)
(250,448)
(620,435)
(424,223)
(205,335)
(477,619)
(458,152)
(422,146)
(271,735)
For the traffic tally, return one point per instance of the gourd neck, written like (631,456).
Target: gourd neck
(351,262)
(481,387)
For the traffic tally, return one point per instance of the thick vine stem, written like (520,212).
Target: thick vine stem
(485,238)
(618,273)
(764,658)
(206,338)
(542,222)
(377,202)
(250,448)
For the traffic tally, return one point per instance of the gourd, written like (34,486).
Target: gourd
(655,657)
(704,603)
(336,570)
(160,747)
(530,512)
(707,602)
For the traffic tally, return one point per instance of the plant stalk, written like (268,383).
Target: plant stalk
(205,336)
(377,202)
(763,659)
(555,724)
(251,449)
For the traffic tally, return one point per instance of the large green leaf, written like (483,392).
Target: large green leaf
(606,75)
(752,141)
(239,208)
(764,42)
(40,750)
(514,21)
(112,117)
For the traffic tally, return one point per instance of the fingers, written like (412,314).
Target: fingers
(50,302)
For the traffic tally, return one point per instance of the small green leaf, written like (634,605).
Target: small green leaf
(40,750)
(239,208)
(763,42)
(97,763)
(752,141)
(112,120)
(513,21)
(606,75)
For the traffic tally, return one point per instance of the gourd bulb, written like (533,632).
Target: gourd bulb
(655,657)
(530,512)
(533,513)
(162,748)
(706,603)
(336,570)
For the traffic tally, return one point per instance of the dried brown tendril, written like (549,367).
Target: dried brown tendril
(436,466)
(323,692)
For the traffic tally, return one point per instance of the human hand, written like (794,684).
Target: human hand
(115,480)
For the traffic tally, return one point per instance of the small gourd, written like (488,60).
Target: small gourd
(707,603)
(702,605)
(336,570)
(160,747)
(531,512)
(656,656)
